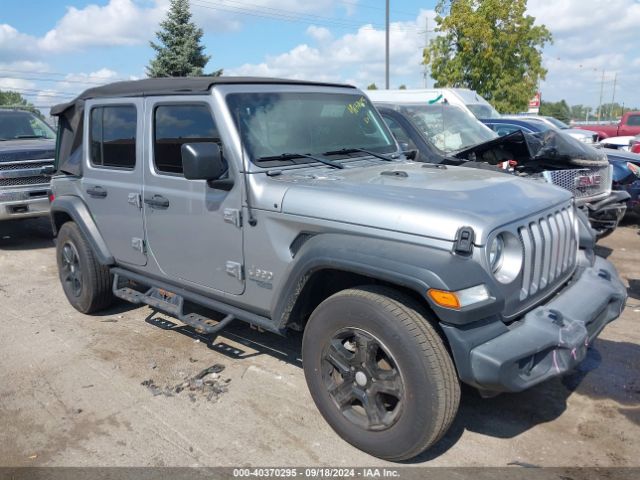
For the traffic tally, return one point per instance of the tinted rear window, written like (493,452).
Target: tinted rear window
(113,136)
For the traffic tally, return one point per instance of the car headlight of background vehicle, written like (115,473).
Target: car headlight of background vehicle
(504,254)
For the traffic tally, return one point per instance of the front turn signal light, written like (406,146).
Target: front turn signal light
(459,299)
(444,299)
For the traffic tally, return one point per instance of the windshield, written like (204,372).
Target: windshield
(557,123)
(275,124)
(481,110)
(16,124)
(448,128)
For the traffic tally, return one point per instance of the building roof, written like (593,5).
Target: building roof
(177,86)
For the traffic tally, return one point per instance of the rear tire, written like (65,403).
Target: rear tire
(86,283)
(379,372)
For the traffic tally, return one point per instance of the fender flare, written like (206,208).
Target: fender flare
(79,213)
(411,266)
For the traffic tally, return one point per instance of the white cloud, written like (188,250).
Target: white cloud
(590,36)
(358,57)
(134,22)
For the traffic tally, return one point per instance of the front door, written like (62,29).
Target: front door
(193,230)
(112,177)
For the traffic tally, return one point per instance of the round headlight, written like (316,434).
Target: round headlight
(495,253)
(504,254)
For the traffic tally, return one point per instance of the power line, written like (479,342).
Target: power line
(43,93)
(291,16)
(57,80)
(58,74)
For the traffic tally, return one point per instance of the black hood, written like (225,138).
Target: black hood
(27,149)
(549,150)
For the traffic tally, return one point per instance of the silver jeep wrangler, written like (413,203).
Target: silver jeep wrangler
(288,205)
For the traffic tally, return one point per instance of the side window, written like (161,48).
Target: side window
(398,132)
(175,125)
(633,121)
(112,136)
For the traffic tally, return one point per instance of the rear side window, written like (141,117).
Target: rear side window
(175,125)
(634,121)
(113,136)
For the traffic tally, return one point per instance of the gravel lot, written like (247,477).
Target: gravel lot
(71,390)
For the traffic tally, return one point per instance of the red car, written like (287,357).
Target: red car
(628,125)
(634,145)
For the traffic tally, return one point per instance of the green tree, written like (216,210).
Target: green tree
(580,112)
(10,99)
(490,46)
(559,110)
(179,52)
(372,86)
(402,87)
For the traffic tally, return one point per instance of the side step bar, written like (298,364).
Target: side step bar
(170,303)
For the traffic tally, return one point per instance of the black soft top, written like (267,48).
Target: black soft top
(70,125)
(176,86)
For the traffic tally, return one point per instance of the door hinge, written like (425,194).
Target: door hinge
(135,199)
(138,244)
(235,270)
(233,216)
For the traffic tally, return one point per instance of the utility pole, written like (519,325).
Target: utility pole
(426,45)
(386,71)
(601,92)
(613,95)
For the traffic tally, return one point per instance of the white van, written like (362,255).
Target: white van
(463,98)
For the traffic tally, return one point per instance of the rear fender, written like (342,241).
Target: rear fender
(68,207)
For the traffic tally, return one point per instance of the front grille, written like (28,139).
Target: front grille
(19,165)
(24,181)
(550,245)
(584,183)
(24,173)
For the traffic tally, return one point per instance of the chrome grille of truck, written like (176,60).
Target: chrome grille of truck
(550,246)
(24,181)
(584,183)
(24,173)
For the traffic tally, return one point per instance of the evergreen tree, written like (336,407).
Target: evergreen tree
(372,86)
(179,52)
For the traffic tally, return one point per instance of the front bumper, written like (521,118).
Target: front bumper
(25,208)
(548,341)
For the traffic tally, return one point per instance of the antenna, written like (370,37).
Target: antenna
(252,220)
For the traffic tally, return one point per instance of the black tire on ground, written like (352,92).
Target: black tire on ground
(86,283)
(402,353)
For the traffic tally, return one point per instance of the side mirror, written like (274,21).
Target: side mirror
(202,161)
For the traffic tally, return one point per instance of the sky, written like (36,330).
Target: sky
(52,50)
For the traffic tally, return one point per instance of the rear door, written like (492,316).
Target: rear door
(193,230)
(112,178)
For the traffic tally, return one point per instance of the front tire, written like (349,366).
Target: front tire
(379,373)
(86,283)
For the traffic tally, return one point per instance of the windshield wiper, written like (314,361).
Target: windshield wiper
(29,136)
(291,156)
(346,151)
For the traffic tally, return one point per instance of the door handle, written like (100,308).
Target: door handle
(157,201)
(97,192)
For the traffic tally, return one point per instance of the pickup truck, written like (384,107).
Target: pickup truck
(628,125)
(27,149)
